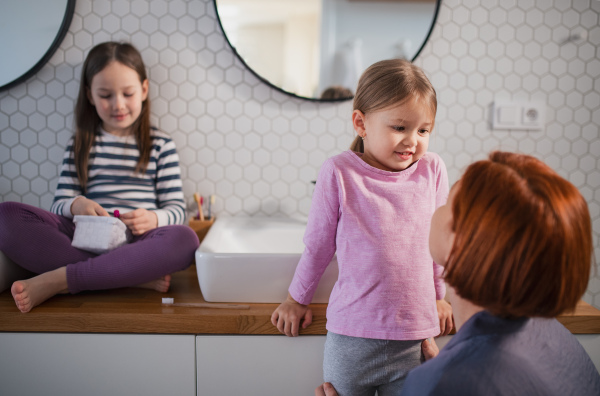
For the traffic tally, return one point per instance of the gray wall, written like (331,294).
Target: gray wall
(258,149)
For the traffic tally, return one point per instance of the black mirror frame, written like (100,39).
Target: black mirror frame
(62,32)
(433,20)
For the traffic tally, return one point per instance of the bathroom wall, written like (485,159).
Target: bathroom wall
(258,149)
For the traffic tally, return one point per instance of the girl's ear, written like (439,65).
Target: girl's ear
(358,121)
(144,89)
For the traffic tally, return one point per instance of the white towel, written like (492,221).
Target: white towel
(99,234)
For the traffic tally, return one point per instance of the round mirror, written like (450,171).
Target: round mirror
(317,49)
(30,32)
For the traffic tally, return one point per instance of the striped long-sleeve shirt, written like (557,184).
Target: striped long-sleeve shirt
(114,184)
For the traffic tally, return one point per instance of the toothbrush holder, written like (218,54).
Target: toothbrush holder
(201,227)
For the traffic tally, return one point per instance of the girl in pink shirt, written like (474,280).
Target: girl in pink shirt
(372,206)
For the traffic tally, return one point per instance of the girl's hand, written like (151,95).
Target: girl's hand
(326,389)
(140,221)
(445,315)
(87,207)
(289,314)
(429,348)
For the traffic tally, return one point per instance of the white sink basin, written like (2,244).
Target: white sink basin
(253,259)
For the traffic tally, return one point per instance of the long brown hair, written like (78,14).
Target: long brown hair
(523,243)
(87,121)
(391,82)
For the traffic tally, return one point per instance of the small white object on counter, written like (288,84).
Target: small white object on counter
(99,234)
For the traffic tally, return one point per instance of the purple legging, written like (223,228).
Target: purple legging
(40,241)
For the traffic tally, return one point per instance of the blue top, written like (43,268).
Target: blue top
(494,356)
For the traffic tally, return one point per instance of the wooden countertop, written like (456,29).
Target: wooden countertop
(140,311)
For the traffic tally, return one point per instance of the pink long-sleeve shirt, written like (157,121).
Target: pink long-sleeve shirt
(378,224)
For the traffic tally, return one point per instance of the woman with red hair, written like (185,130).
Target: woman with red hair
(515,239)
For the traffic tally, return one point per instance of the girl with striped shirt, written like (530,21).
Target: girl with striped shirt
(115,161)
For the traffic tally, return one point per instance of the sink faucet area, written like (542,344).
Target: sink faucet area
(253,259)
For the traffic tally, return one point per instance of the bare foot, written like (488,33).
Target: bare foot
(32,292)
(160,285)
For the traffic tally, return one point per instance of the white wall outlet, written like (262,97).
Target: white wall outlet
(532,115)
(517,115)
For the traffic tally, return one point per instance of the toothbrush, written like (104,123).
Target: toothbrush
(211,201)
(199,201)
(200,208)
(116,213)
(170,302)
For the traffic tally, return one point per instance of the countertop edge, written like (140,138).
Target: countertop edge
(139,311)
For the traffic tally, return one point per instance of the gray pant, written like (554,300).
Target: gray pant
(360,366)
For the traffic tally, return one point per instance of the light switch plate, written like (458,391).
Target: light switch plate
(508,115)
(518,115)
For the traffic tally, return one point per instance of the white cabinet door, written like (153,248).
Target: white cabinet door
(96,364)
(259,365)
(591,344)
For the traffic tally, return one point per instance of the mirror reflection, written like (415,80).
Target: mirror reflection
(30,32)
(307,47)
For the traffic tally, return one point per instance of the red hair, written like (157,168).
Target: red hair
(523,244)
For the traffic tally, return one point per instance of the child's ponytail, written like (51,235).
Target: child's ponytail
(358,145)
